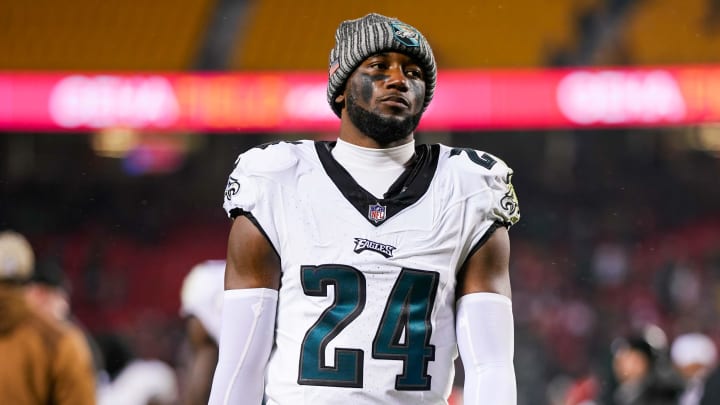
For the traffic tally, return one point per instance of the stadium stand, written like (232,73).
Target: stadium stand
(298,35)
(106,35)
(662,32)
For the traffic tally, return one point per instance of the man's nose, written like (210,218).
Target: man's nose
(397,79)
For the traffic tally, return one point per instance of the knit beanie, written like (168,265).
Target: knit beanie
(356,40)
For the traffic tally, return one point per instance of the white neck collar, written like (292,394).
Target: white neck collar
(351,155)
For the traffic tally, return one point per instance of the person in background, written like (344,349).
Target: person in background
(695,357)
(358,268)
(201,309)
(48,291)
(643,373)
(131,380)
(44,360)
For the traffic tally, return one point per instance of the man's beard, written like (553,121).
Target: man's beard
(383,130)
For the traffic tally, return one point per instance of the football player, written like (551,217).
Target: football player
(357,268)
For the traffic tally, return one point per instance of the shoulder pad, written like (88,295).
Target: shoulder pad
(272,157)
(476,161)
(481,170)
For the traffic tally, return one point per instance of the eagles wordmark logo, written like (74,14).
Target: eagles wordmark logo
(362,244)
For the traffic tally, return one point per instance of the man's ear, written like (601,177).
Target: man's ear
(340,99)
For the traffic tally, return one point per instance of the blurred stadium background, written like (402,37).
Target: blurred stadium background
(120,121)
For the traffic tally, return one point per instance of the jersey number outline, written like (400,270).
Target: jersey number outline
(485,160)
(403,334)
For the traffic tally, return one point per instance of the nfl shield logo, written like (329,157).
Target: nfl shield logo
(376,212)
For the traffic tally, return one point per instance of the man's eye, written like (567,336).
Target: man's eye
(414,73)
(378,65)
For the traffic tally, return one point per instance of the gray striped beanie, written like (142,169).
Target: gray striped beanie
(356,40)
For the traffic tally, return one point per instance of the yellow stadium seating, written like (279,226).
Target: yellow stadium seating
(662,31)
(127,35)
(101,34)
(297,34)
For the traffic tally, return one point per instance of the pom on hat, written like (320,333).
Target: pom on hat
(356,40)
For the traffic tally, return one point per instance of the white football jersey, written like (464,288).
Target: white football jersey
(366,304)
(202,294)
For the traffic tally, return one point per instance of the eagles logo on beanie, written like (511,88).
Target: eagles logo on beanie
(356,40)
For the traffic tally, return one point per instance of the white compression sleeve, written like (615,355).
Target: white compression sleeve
(246,338)
(485,337)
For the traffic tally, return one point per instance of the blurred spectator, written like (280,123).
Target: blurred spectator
(48,292)
(133,381)
(582,392)
(609,264)
(695,357)
(642,372)
(201,300)
(44,361)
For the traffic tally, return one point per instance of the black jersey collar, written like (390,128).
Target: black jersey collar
(405,191)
